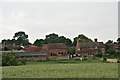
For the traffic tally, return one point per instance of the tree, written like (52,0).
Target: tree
(8,44)
(81,38)
(10,59)
(65,40)
(21,38)
(118,40)
(54,38)
(109,42)
(71,50)
(51,38)
(111,51)
(99,54)
(39,42)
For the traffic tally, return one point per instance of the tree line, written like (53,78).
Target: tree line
(21,38)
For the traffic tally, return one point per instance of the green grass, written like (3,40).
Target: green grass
(59,69)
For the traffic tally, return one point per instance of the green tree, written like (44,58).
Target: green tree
(118,40)
(65,40)
(71,50)
(54,38)
(39,42)
(21,38)
(51,38)
(109,42)
(81,38)
(111,51)
(99,54)
(8,44)
(10,59)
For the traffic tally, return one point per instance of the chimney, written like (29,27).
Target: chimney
(95,40)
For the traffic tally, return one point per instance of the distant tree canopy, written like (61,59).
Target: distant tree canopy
(53,38)
(118,40)
(81,38)
(21,38)
(18,38)
(109,42)
(39,42)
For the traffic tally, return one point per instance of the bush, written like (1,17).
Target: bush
(10,59)
(98,54)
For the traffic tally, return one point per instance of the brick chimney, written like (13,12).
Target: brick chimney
(95,40)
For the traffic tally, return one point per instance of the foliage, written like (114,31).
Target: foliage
(53,38)
(118,40)
(109,42)
(21,38)
(8,44)
(39,42)
(18,38)
(71,50)
(99,54)
(111,51)
(81,38)
(10,59)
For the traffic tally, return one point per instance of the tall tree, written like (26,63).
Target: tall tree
(51,38)
(21,38)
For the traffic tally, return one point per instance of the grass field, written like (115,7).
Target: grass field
(61,70)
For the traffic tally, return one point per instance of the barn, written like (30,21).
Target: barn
(56,49)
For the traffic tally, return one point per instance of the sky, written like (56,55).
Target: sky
(69,19)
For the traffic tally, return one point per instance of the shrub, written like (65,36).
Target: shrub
(10,59)
(98,54)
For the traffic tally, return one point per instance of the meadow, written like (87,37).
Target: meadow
(62,70)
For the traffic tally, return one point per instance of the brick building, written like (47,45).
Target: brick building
(56,49)
(89,48)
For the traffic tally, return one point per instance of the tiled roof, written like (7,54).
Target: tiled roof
(91,44)
(56,46)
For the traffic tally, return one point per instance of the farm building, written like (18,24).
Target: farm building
(42,52)
(89,48)
(56,49)
(33,55)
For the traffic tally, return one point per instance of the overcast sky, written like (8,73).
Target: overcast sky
(93,19)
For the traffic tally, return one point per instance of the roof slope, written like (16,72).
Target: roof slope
(56,46)
(91,44)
